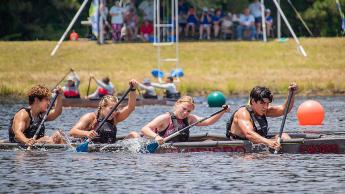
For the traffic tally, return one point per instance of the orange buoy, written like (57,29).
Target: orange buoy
(310,112)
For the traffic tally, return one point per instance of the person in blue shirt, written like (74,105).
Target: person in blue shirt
(216,20)
(205,23)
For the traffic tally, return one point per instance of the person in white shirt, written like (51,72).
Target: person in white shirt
(247,23)
(255,10)
(116,13)
(105,87)
(149,90)
(146,8)
(170,88)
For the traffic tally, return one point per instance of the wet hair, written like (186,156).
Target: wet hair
(187,99)
(106,80)
(105,100)
(39,92)
(258,93)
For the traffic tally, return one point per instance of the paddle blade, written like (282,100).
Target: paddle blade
(157,73)
(177,73)
(152,147)
(84,147)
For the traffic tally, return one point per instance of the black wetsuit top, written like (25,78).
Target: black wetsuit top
(107,133)
(184,136)
(30,131)
(259,122)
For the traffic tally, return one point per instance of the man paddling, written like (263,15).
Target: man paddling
(26,121)
(249,122)
(170,88)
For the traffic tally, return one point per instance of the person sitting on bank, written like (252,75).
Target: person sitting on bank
(88,123)
(180,117)
(26,121)
(170,88)
(149,90)
(249,122)
(71,88)
(105,87)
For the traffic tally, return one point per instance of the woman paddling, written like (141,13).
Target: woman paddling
(26,121)
(170,122)
(85,127)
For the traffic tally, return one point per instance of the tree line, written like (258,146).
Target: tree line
(47,20)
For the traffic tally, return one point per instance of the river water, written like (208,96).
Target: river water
(122,172)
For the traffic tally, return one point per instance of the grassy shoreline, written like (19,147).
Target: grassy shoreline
(231,67)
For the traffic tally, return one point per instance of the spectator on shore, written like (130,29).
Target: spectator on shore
(146,31)
(105,87)
(269,22)
(226,26)
(247,25)
(217,20)
(146,9)
(182,14)
(170,88)
(116,13)
(192,21)
(149,90)
(131,20)
(71,88)
(255,10)
(205,24)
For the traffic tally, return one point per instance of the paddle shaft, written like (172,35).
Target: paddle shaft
(113,109)
(193,124)
(285,115)
(63,78)
(88,88)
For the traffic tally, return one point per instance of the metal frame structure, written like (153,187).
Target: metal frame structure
(166,30)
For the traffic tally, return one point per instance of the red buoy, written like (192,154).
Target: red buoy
(310,112)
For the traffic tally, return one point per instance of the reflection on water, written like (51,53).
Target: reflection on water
(128,172)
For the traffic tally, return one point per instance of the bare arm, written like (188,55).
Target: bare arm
(19,125)
(276,111)
(54,113)
(132,100)
(213,119)
(160,123)
(247,129)
(80,129)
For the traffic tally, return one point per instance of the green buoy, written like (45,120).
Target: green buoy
(216,99)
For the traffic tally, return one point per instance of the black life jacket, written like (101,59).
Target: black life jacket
(148,96)
(30,131)
(184,136)
(172,95)
(107,133)
(259,122)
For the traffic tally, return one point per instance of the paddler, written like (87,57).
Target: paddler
(25,122)
(249,122)
(104,87)
(180,117)
(85,127)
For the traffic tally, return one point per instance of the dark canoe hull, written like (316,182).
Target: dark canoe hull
(300,144)
(86,103)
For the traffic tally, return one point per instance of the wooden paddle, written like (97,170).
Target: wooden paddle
(44,117)
(152,147)
(284,119)
(88,87)
(83,147)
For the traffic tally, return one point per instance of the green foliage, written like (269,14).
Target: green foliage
(36,19)
(47,20)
